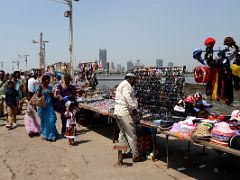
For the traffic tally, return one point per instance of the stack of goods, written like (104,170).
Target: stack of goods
(162,122)
(187,127)
(221,133)
(158,89)
(104,106)
(202,132)
(192,106)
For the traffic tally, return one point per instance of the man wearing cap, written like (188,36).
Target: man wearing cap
(125,109)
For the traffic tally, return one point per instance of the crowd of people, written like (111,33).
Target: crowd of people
(42,94)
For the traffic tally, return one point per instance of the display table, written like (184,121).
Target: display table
(204,144)
(107,111)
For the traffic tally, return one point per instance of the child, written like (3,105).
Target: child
(70,115)
(11,101)
(30,121)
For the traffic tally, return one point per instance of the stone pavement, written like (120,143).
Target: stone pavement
(22,157)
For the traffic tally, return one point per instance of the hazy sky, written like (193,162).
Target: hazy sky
(128,29)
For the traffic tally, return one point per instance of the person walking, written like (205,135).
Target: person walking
(63,90)
(32,84)
(3,87)
(11,101)
(70,115)
(47,113)
(125,109)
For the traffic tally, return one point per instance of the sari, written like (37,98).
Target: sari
(48,117)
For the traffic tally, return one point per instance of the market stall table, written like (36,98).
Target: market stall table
(189,140)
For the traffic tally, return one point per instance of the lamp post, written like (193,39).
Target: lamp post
(25,56)
(42,63)
(69,15)
(17,62)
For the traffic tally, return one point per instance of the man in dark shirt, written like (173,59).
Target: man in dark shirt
(11,102)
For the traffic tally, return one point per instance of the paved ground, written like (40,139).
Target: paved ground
(22,157)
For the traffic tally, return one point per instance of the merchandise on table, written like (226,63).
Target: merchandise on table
(158,89)
(102,106)
(221,133)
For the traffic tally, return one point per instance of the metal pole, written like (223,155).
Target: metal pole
(26,61)
(41,52)
(71,38)
(18,65)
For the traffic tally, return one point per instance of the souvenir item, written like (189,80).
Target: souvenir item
(234,142)
(210,42)
(202,74)
(202,132)
(235,115)
(228,41)
(235,69)
(197,55)
(189,99)
(159,89)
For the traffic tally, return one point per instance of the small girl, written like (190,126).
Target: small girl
(70,115)
(30,120)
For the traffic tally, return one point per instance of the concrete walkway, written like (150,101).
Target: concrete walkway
(22,157)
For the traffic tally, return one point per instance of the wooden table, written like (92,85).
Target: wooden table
(204,144)
(148,124)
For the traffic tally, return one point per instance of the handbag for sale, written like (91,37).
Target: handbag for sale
(38,101)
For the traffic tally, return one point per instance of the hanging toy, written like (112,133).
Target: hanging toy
(197,55)
(202,74)
(210,42)
(198,96)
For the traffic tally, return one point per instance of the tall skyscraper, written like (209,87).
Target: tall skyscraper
(103,57)
(119,68)
(159,63)
(170,64)
(129,65)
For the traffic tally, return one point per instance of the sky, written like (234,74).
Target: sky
(128,29)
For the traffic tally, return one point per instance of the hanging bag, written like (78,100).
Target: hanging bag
(38,101)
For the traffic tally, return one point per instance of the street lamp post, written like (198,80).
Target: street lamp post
(42,53)
(25,56)
(17,62)
(69,15)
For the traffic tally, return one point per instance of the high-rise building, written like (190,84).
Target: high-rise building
(119,68)
(123,69)
(103,57)
(111,67)
(129,65)
(159,63)
(170,64)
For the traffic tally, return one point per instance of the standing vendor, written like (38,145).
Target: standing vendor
(125,110)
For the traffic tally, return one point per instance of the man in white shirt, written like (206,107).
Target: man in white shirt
(125,109)
(31,85)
